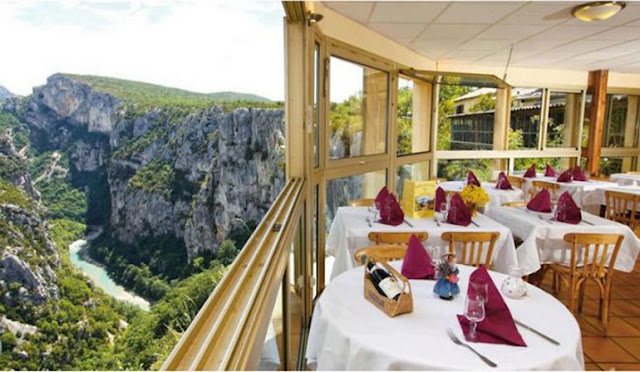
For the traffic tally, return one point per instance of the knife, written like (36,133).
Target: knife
(536,332)
(407,222)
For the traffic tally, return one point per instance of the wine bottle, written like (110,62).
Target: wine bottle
(385,284)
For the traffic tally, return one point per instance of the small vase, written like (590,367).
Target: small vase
(514,286)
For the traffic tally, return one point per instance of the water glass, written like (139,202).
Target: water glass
(474,313)
(480,288)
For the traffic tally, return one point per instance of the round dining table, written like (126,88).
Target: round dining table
(349,333)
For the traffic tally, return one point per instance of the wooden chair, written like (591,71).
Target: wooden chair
(622,207)
(473,244)
(592,258)
(362,203)
(390,252)
(599,178)
(549,186)
(521,203)
(516,181)
(396,237)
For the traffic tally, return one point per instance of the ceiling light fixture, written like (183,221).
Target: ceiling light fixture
(598,11)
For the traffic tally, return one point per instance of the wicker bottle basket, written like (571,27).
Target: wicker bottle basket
(389,306)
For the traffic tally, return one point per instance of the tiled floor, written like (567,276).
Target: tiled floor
(621,349)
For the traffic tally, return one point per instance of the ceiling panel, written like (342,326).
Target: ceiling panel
(542,34)
(407,12)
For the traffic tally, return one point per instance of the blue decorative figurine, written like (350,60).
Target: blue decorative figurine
(447,274)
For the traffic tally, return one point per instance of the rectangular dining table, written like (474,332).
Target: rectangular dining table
(350,230)
(625,179)
(543,236)
(580,190)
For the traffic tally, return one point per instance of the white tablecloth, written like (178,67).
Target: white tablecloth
(496,197)
(625,179)
(597,197)
(349,333)
(543,241)
(350,229)
(579,190)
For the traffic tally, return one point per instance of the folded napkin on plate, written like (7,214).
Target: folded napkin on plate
(531,172)
(472,179)
(390,211)
(459,213)
(498,326)
(567,210)
(565,176)
(441,197)
(503,182)
(550,172)
(541,202)
(417,263)
(382,195)
(578,174)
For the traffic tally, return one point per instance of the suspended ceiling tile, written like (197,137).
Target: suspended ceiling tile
(450,32)
(510,32)
(564,32)
(540,14)
(357,10)
(407,12)
(584,46)
(477,12)
(398,30)
(618,33)
(484,45)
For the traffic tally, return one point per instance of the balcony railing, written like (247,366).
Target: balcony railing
(229,329)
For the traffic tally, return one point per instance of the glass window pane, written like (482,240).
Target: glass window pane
(559,164)
(612,165)
(621,125)
(526,106)
(413,116)
(272,355)
(316,105)
(564,119)
(411,172)
(457,170)
(587,121)
(358,112)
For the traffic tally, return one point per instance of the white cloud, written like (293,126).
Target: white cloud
(203,46)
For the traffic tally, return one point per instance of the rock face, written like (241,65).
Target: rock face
(4,93)
(13,166)
(193,174)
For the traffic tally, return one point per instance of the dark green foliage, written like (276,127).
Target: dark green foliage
(227,252)
(155,177)
(19,131)
(62,200)
(9,194)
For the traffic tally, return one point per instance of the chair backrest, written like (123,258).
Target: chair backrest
(516,181)
(472,246)
(380,252)
(591,254)
(599,178)
(515,204)
(396,237)
(362,203)
(549,186)
(622,207)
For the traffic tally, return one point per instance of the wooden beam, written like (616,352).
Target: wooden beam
(598,89)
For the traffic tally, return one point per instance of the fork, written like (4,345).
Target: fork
(456,341)
(369,221)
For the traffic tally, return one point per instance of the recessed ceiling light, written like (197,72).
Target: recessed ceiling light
(598,11)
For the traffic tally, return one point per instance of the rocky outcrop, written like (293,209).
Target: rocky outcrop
(13,166)
(191,173)
(5,93)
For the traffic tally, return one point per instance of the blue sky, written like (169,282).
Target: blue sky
(199,45)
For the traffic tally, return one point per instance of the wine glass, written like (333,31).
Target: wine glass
(443,211)
(474,312)
(481,289)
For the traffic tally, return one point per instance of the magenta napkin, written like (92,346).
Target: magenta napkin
(565,176)
(568,211)
(578,174)
(472,179)
(550,172)
(382,195)
(498,326)
(459,213)
(390,212)
(531,172)
(417,263)
(441,197)
(541,202)
(503,182)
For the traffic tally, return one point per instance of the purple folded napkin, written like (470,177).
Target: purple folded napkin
(565,176)
(459,213)
(472,179)
(503,182)
(568,211)
(382,195)
(441,197)
(417,263)
(498,326)
(541,202)
(578,174)
(550,172)
(531,172)
(390,211)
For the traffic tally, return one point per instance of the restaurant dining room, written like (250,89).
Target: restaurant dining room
(463,194)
